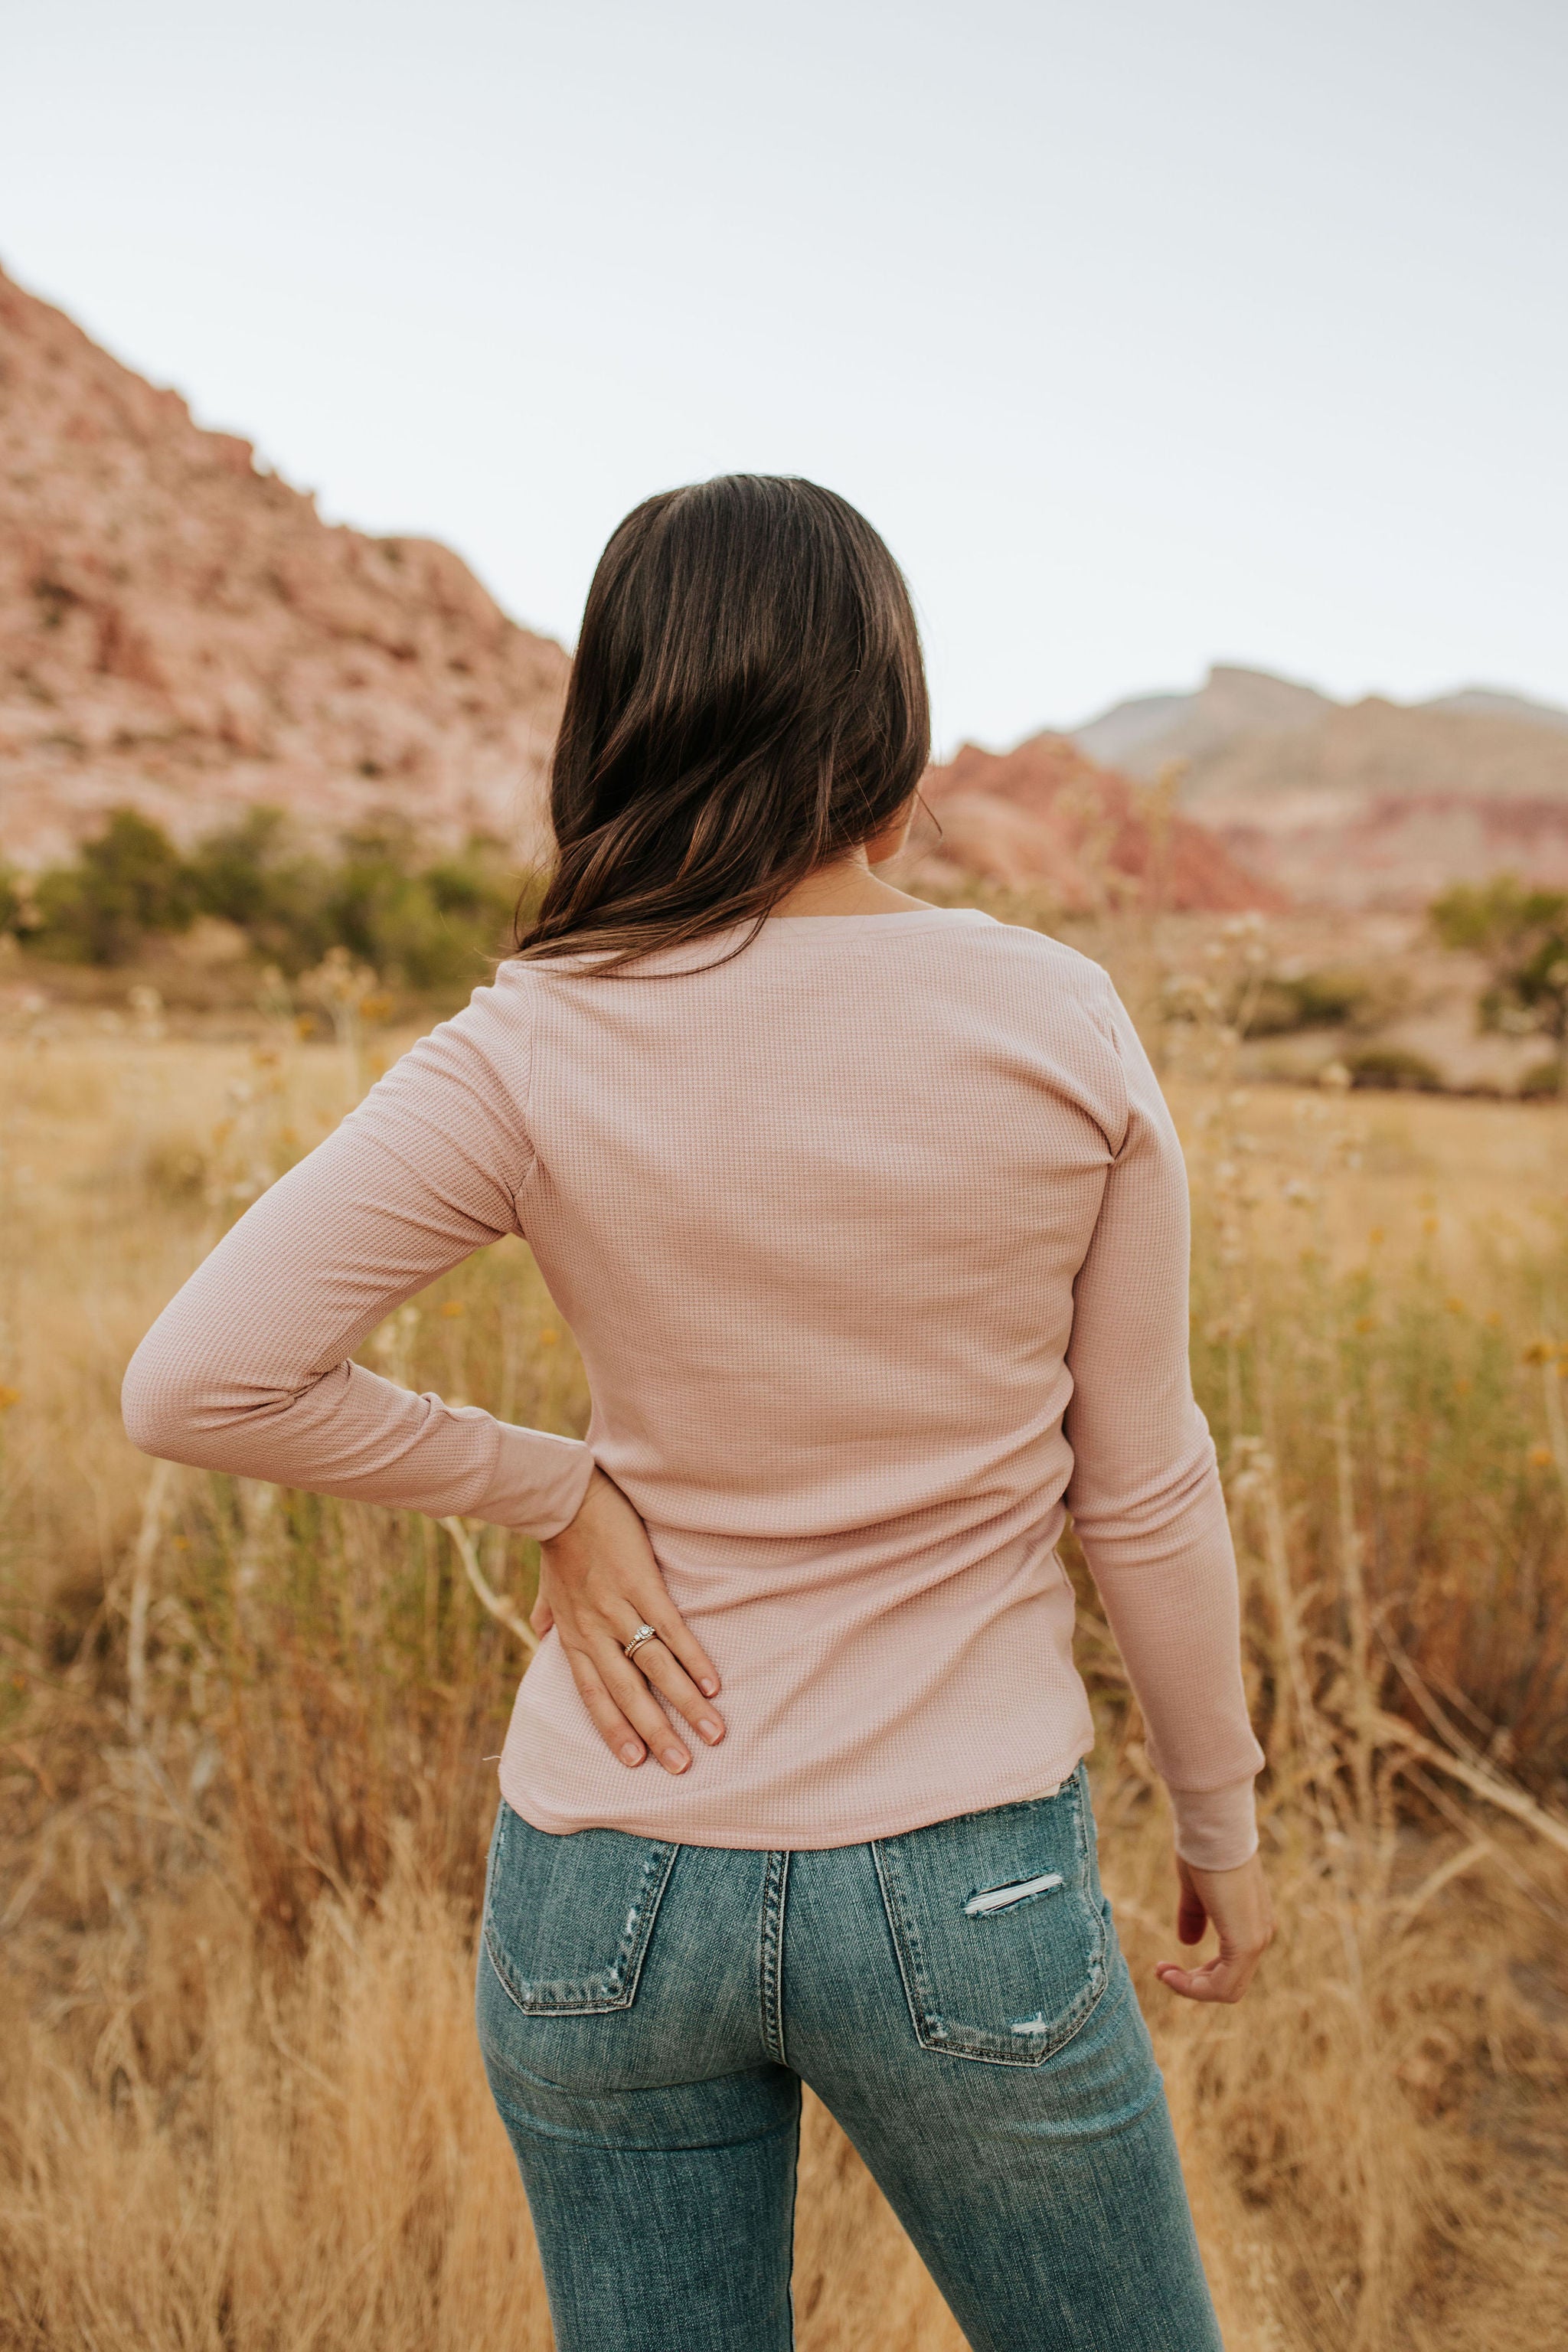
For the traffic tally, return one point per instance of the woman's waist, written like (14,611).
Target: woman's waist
(781,1507)
(841,1724)
(738,1562)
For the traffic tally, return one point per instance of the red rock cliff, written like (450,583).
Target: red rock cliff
(1044,816)
(182,632)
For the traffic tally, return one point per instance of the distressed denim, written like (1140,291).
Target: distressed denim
(957,1998)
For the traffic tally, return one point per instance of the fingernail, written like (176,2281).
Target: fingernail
(631,1753)
(709,1686)
(676,1759)
(710,1730)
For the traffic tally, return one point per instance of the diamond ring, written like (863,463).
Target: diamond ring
(644,1634)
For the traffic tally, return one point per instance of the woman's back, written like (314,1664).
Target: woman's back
(815,1212)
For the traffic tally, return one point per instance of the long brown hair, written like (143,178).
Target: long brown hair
(747,702)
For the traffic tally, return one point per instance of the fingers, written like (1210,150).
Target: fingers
(1236,1903)
(629,1691)
(1223,1978)
(664,1672)
(1191,1918)
(599,1581)
(606,1718)
(627,1717)
(620,1700)
(633,1681)
(683,1646)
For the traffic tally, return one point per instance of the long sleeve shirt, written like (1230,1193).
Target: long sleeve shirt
(874,1237)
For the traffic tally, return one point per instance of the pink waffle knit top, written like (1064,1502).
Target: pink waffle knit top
(874,1239)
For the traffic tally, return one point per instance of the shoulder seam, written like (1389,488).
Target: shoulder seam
(1100,1002)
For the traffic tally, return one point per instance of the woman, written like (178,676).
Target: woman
(871,1225)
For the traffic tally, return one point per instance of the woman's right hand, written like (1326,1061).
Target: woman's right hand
(1235,1903)
(598,1582)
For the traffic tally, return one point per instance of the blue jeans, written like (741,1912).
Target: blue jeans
(956,1997)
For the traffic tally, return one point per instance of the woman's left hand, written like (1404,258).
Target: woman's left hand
(1235,1903)
(598,1582)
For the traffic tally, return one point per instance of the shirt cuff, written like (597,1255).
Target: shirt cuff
(537,1481)
(1216,1829)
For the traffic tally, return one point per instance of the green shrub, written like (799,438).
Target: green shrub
(252,874)
(1395,1067)
(435,926)
(1313,1000)
(1542,1081)
(428,926)
(129,882)
(1523,935)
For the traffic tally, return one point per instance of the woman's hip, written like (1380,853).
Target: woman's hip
(955,1996)
(975,1954)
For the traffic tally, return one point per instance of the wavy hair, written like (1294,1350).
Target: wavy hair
(748,702)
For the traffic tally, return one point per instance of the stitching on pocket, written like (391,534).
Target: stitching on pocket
(616,1987)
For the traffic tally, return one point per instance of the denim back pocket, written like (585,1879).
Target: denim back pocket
(567,1919)
(996,1918)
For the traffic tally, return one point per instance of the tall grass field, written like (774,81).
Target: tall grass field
(246,1744)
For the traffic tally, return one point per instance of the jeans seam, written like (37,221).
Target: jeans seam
(794,2202)
(914,1991)
(775,1892)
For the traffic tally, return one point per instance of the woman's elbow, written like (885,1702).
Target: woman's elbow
(161,1405)
(153,1418)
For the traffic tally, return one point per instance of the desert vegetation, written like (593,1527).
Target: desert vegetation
(424,923)
(1522,934)
(247,1738)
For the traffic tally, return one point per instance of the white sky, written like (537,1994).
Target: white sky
(1149,334)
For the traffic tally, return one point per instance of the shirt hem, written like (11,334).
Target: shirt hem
(795,1838)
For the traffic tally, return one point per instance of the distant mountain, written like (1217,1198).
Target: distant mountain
(1044,816)
(1495,702)
(1144,736)
(180,631)
(1369,804)
(1480,740)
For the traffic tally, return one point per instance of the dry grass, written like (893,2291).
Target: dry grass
(244,1742)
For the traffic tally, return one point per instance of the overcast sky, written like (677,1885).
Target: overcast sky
(1147,334)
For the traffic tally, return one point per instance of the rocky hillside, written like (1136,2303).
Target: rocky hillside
(1045,817)
(180,633)
(1374,803)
